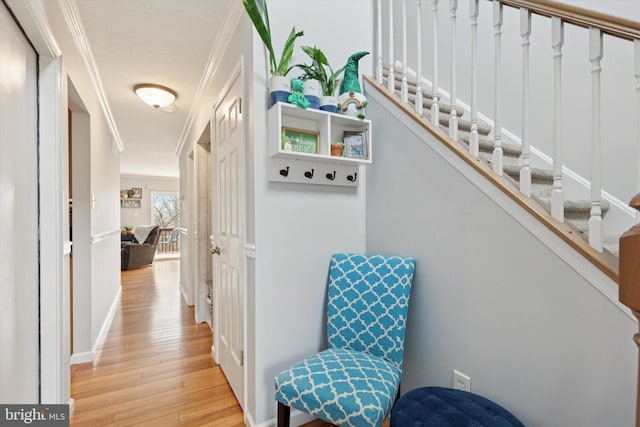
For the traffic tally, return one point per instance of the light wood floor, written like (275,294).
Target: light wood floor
(155,368)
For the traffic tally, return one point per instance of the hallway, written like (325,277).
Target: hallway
(155,366)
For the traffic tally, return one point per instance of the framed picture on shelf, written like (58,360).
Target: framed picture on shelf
(300,140)
(355,145)
(136,193)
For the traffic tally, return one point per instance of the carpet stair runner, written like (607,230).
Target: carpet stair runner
(576,212)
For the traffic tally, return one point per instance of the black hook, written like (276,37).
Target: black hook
(352,178)
(284,172)
(309,174)
(331,176)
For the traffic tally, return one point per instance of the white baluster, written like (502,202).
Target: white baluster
(595,220)
(391,79)
(636,60)
(453,118)
(379,69)
(404,87)
(435,106)
(419,97)
(557,193)
(474,138)
(525,155)
(498,156)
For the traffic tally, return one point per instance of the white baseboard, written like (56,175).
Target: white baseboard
(89,356)
(107,322)
(248,420)
(78,358)
(183,291)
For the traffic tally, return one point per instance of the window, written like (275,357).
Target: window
(166,209)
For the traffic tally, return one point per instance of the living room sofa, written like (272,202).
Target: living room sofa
(135,255)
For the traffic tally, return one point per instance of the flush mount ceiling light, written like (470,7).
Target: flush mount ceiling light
(155,95)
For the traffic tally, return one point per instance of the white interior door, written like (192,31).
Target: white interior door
(228,236)
(19,266)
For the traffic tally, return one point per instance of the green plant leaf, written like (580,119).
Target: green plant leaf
(318,70)
(308,72)
(287,52)
(259,16)
(265,13)
(321,58)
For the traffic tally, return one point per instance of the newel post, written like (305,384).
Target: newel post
(630,281)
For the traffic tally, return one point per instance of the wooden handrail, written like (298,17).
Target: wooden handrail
(609,24)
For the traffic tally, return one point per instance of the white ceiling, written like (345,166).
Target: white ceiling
(166,42)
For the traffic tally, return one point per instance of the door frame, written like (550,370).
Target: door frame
(237,74)
(202,158)
(55,378)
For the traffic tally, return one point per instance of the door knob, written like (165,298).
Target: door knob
(215,251)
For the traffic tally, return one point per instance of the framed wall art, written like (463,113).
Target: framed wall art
(135,193)
(355,145)
(300,140)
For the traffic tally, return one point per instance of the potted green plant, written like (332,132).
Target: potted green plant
(327,79)
(128,229)
(279,84)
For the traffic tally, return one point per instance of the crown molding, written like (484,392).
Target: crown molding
(72,16)
(50,44)
(221,43)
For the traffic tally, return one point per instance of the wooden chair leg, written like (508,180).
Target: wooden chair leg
(284,413)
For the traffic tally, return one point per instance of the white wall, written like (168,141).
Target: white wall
(619,111)
(103,176)
(490,299)
(149,184)
(80,134)
(298,227)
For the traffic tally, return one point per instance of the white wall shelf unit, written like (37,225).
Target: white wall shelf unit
(318,167)
(130,203)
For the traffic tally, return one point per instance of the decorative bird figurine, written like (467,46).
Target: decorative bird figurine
(351,101)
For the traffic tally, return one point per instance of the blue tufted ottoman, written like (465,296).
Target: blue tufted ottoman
(447,407)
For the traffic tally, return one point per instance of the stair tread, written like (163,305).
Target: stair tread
(536,173)
(427,102)
(487,145)
(411,82)
(581,205)
(444,108)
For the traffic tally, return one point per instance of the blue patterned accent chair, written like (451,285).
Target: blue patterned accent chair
(357,379)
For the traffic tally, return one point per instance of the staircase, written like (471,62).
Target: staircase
(576,212)
(489,64)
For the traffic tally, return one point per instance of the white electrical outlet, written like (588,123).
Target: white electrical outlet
(461,381)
